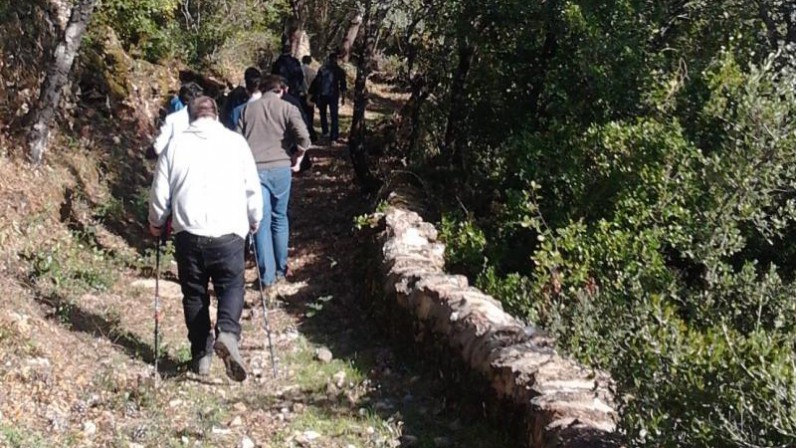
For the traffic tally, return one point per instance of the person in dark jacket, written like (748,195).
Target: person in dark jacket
(240,96)
(329,89)
(290,69)
(306,101)
(253,77)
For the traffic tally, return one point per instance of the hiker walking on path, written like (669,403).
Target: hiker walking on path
(290,69)
(272,127)
(252,78)
(306,102)
(329,88)
(206,180)
(175,122)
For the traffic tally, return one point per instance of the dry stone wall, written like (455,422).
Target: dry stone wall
(556,402)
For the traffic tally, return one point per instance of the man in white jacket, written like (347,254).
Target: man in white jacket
(207,181)
(175,122)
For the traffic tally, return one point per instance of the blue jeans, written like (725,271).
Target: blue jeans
(333,103)
(271,240)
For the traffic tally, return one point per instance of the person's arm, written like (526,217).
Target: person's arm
(164,136)
(254,195)
(343,85)
(160,195)
(240,121)
(298,130)
(235,116)
(300,78)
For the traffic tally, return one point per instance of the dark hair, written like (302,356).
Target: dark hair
(307,59)
(272,83)
(251,72)
(252,78)
(202,107)
(189,91)
(287,47)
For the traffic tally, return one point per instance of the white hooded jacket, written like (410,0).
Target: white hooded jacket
(207,181)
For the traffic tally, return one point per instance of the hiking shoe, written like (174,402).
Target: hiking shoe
(201,366)
(226,348)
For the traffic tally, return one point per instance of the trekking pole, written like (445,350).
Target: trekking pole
(157,309)
(266,325)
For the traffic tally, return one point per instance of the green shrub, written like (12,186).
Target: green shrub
(514,290)
(145,26)
(465,244)
(659,250)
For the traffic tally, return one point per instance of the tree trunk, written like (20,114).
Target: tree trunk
(294,29)
(789,13)
(57,77)
(350,37)
(458,103)
(359,155)
(420,93)
(541,68)
(771,26)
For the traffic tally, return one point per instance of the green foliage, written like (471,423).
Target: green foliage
(221,34)
(630,168)
(465,244)
(202,34)
(15,437)
(71,269)
(146,26)
(514,290)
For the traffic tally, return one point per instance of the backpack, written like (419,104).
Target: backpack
(326,83)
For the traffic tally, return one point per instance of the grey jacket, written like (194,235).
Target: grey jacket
(272,127)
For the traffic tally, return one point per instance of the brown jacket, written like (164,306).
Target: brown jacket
(273,127)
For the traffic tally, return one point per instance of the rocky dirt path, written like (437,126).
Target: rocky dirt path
(76,369)
(339,383)
(87,380)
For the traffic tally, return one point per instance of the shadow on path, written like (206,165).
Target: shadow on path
(79,320)
(328,256)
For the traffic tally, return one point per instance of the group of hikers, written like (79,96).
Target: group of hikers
(224,176)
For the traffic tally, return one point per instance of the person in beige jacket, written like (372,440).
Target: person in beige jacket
(272,128)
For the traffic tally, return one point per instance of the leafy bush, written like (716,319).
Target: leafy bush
(465,244)
(146,26)
(630,168)
(202,34)
(654,272)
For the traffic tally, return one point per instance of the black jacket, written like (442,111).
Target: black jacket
(289,68)
(329,82)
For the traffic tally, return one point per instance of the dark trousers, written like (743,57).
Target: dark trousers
(333,103)
(199,260)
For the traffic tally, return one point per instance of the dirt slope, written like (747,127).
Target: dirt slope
(76,342)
